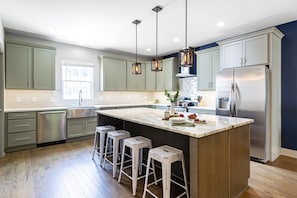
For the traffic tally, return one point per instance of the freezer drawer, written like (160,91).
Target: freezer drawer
(51,126)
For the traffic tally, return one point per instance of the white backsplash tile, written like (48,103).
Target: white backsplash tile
(45,98)
(40,98)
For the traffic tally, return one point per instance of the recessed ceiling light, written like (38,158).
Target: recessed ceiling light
(220,24)
(175,40)
(112,41)
(148,49)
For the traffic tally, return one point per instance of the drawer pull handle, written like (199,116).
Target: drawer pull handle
(22,115)
(22,125)
(21,139)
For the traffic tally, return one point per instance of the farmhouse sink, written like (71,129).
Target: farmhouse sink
(81,112)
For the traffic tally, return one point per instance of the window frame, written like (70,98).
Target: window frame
(80,65)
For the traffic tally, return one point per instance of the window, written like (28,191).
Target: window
(76,77)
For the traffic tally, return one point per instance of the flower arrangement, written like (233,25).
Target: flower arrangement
(172,98)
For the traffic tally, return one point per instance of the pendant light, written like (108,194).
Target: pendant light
(187,54)
(136,67)
(157,62)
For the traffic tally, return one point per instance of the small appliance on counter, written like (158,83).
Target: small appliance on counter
(183,104)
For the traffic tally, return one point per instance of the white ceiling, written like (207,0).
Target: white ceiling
(107,24)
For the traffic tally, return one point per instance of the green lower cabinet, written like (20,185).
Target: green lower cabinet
(20,131)
(79,127)
(22,138)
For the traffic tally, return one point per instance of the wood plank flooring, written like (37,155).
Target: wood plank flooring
(67,170)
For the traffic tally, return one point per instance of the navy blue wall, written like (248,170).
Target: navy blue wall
(289,85)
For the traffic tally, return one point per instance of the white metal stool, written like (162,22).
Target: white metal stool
(100,136)
(116,137)
(135,144)
(166,155)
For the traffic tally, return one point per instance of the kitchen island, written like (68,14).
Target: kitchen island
(216,153)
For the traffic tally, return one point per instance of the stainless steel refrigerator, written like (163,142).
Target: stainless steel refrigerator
(244,92)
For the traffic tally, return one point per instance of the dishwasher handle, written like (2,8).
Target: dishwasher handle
(51,112)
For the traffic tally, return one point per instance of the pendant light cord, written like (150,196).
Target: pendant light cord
(136,44)
(156,35)
(186,25)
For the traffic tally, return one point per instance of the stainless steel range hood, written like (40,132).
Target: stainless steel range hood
(184,73)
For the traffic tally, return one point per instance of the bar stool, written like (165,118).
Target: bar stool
(135,144)
(100,135)
(166,155)
(115,137)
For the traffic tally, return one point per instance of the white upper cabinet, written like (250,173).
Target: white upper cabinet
(208,64)
(244,52)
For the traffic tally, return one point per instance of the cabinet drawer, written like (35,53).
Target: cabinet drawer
(19,139)
(21,125)
(21,115)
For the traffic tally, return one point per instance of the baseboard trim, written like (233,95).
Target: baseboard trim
(288,152)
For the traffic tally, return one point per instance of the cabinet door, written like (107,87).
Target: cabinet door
(255,50)
(18,66)
(43,69)
(114,74)
(90,125)
(160,79)
(231,55)
(135,82)
(168,74)
(150,77)
(208,64)
(204,70)
(215,57)
(75,128)
(166,79)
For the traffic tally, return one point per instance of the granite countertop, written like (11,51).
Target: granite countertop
(121,105)
(153,118)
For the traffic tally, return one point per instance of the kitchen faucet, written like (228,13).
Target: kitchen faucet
(80,97)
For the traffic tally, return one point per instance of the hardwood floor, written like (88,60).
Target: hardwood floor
(67,170)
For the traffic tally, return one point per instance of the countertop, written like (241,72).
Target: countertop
(189,107)
(11,110)
(26,109)
(153,118)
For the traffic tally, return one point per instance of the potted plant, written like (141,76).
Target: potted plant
(173,99)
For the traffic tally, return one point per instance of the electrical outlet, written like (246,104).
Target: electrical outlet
(18,99)
(34,99)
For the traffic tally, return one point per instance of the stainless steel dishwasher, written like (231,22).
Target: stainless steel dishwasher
(51,126)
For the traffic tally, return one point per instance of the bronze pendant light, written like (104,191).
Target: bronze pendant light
(186,55)
(136,67)
(157,64)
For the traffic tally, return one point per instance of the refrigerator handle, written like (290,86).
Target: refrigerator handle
(232,100)
(236,96)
